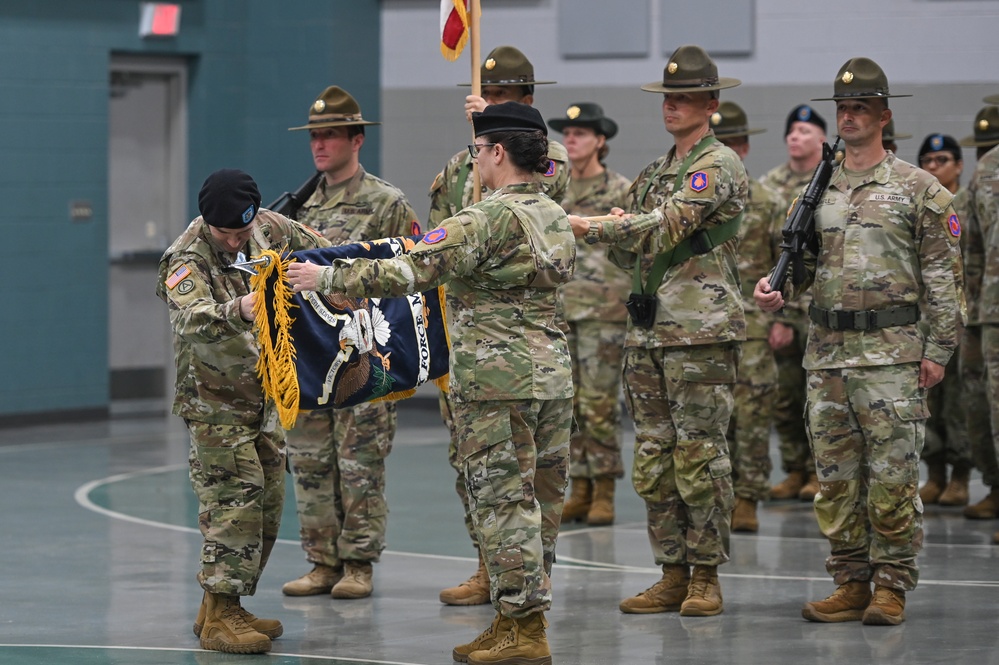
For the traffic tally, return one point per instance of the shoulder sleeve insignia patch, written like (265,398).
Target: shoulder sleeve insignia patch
(178,276)
(699,181)
(954,225)
(551,169)
(435,236)
(415,228)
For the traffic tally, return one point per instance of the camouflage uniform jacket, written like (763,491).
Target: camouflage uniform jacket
(445,200)
(699,300)
(364,207)
(972,252)
(984,192)
(599,288)
(216,352)
(758,252)
(886,243)
(502,260)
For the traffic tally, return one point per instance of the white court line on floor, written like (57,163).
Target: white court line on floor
(255,657)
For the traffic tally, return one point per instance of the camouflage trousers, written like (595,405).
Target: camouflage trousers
(446,408)
(947,427)
(749,430)
(515,454)
(337,462)
(867,426)
(977,403)
(789,409)
(681,400)
(597,349)
(237,472)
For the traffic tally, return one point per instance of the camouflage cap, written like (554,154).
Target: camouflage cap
(506,65)
(690,69)
(730,122)
(860,78)
(888,133)
(986,129)
(334,108)
(585,114)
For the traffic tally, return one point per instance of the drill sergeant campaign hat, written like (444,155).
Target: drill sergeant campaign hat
(860,78)
(585,114)
(986,129)
(992,99)
(508,117)
(804,113)
(690,69)
(229,199)
(730,122)
(506,65)
(334,108)
(888,133)
(940,143)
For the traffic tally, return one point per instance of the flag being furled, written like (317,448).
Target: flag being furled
(323,352)
(454,27)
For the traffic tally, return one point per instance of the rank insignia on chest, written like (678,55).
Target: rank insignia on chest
(178,276)
(699,181)
(954,225)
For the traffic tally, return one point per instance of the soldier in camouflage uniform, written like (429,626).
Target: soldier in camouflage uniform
(593,303)
(980,359)
(506,75)
(804,134)
(511,375)
(237,443)
(756,389)
(682,347)
(337,457)
(887,255)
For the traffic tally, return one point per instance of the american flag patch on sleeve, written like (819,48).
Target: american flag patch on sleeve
(178,276)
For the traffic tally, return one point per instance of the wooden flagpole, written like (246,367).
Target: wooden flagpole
(474,11)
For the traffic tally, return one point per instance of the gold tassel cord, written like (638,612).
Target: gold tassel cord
(276,364)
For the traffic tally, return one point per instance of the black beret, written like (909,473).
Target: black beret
(804,113)
(508,117)
(941,143)
(229,199)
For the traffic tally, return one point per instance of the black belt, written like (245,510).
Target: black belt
(866,319)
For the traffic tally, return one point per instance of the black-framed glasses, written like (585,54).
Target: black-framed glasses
(939,160)
(474,148)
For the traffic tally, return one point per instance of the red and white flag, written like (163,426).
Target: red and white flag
(454,27)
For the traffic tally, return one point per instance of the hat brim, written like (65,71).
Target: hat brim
(736,135)
(333,123)
(971,142)
(723,83)
(991,99)
(897,137)
(508,83)
(604,126)
(842,97)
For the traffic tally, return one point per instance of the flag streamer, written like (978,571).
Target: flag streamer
(454,28)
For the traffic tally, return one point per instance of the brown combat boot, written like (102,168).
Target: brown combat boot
(473,591)
(847,603)
(577,505)
(887,607)
(704,598)
(225,628)
(986,509)
(356,582)
(272,628)
(317,581)
(666,595)
(486,640)
(744,518)
(602,508)
(523,643)
(789,487)
(936,482)
(810,488)
(956,493)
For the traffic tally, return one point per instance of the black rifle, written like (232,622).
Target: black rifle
(799,227)
(288,203)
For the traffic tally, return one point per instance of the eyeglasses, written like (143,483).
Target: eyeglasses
(474,148)
(939,160)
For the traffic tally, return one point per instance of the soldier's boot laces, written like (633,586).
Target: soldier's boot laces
(789,487)
(601,511)
(986,509)
(317,581)
(704,598)
(936,482)
(580,497)
(666,595)
(810,488)
(847,603)
(272,628)
(744,518)
(523,643)
(356,582)
(225,627)
(956,493)
(486,639)
(887,607)
(473,591)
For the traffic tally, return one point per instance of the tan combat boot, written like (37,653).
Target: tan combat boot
(847,603)
(578,504)
(486,640)
(317,581)
(356,582)
(744,516)
(473,591)
(887,607)
(956,493)
(225,628)
(936,482)
(704,598)
(789,487)
(666,595)
(602,508)
(986,509)
(272,628)
(810,488)
(523,643)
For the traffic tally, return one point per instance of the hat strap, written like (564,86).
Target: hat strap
(692,83)
(335,116)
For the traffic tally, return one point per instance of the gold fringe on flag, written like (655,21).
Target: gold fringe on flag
(276,364)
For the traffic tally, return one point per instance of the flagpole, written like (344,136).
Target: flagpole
(474,11)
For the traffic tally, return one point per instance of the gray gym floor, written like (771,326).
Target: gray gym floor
(100,549)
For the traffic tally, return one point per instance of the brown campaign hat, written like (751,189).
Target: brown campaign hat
(992,99)
(860,78)
(986,129)
(585,114)
(730,122)
(690,69)
(888,133)
(506,65)
(334,108)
